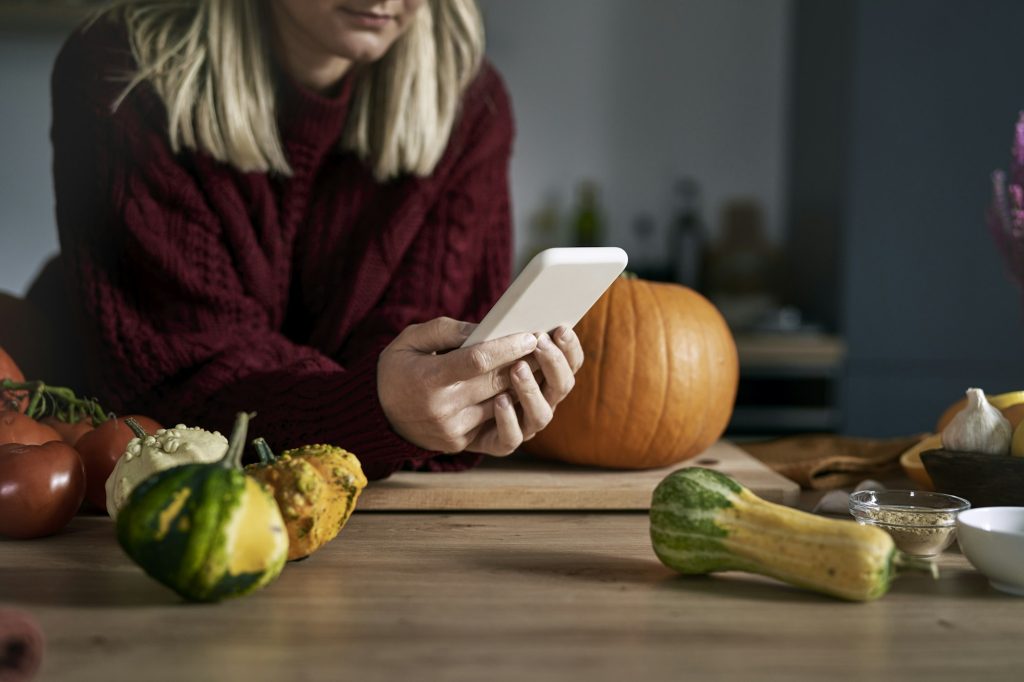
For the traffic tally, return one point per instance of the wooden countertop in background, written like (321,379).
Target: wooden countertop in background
(495,596)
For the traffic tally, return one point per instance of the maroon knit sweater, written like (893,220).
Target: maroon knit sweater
(204,291)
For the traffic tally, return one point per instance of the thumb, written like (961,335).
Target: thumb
(439,334)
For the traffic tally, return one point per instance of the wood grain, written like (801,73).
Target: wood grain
(498,596)
(524,483)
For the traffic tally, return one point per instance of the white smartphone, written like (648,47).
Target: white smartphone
(557,287)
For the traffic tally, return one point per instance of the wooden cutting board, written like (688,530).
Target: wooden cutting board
(521,482)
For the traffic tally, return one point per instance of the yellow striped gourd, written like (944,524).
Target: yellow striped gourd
(703,521)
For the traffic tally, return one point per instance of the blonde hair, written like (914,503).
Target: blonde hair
(210,63)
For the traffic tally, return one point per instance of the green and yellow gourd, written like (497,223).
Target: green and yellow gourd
(207,531)
(703,521)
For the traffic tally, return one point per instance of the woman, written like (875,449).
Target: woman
(288,206)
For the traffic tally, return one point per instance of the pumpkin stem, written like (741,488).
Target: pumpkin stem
(236,445)
(267,455)
(139,432)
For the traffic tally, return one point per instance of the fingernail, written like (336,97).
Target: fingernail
(563,334)
(527,342)
(544,341)
(522,371)
(503,401)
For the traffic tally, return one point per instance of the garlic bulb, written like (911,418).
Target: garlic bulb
(979,427)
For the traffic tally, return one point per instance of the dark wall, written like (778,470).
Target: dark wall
(925,304)
(821,61)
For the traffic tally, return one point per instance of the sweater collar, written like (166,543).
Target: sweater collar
(308,119)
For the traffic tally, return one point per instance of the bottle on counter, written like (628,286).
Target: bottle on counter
(543,227)
(646,257)
(743,266)
(588,228)
(687,235)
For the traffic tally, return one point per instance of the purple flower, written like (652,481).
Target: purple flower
(1017,171)
(1006,213)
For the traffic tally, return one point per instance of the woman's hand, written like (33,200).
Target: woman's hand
(465,399)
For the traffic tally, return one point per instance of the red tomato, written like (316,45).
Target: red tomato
(69,432)
(43,486)
(9,370)
(101,448)
(16,427)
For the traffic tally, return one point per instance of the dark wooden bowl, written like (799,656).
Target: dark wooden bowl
(983,480)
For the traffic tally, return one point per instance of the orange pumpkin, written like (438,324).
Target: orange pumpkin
(657,385)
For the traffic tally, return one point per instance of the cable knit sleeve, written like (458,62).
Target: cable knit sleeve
(171,324)
(461,261)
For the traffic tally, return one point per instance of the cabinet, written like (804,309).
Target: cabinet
(789,383)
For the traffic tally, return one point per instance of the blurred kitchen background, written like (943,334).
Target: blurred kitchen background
(819,169)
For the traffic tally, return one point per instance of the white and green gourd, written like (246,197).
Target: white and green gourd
(146,454)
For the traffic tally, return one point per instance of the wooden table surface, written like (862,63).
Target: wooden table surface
(498,596)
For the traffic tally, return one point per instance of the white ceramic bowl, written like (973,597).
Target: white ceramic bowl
(992,539)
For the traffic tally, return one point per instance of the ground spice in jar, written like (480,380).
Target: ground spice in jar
(916,532)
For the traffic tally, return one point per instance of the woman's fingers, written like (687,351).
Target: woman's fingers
(555,366)
(470,402)
(566,339)
(438,334)
(536,409)
(503,434)
(465,364)
(482,388)
(509,434)
(443,397)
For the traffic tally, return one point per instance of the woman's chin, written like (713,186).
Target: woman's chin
(362,49)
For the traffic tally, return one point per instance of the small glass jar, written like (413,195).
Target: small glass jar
(921,523)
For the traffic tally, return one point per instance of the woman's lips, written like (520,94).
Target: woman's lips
(367,19)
